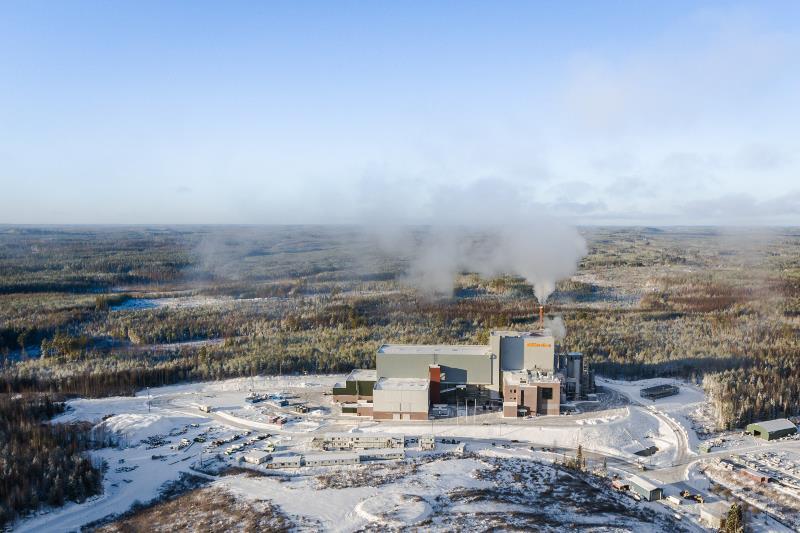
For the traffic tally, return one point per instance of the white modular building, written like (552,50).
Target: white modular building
(285,461)
(381,454)
(331,459)
(363,441)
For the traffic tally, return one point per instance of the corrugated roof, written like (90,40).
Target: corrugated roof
(330,455)
(779,424)
(642,483)
(440,349)
(257,454)
(286,458)
(381,451)
(402,384)
(345,434)
(362,374)
(544,332)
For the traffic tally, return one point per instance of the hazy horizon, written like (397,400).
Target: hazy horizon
(619,113)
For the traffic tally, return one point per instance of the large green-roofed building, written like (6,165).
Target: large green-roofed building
(772,429)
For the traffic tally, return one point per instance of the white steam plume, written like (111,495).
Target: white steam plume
(488,228)
(556,327)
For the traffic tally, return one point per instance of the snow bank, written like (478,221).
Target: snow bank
(135,427)
(394,510)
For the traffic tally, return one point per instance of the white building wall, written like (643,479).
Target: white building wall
(396,401)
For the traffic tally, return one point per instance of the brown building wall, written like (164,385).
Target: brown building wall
(510,410)
(434,386)
(529,397)
(510,392)
(552,406)
(364,410)
(344,398)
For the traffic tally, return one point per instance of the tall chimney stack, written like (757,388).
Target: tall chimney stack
(541,316)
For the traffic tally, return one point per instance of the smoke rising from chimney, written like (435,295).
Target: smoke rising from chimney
(556,327)
(490,228)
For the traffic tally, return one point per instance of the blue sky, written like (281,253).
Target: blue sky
(308,112)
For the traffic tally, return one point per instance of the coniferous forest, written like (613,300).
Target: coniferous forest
(103,311)
(42,463)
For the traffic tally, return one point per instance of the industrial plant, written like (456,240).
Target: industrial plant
(518,371)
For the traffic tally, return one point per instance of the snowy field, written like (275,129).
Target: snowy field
(501,475)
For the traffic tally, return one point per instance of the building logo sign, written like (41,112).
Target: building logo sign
(538,345)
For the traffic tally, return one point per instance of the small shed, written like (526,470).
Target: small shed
(620,485)
(427,442)
(645,489)
(772,429)
(714,514)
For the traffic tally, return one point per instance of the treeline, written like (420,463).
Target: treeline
(41,463)
(742,397)
(316,309)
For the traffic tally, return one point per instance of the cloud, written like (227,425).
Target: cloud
(746,208)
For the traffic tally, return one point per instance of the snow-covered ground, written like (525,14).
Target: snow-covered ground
(679,409)
(163,432)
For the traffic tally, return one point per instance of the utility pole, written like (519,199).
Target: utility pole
(148,399)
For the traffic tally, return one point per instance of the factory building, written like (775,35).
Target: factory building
(531,392)
(519,367)
(401,399)
(772,429)
(357,386)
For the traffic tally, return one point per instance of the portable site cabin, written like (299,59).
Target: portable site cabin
(772,429)
(364,441)
(381,454)
(285,461)
(645,489)
(331,459)
(427,442)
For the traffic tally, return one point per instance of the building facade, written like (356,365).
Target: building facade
(772,429)
(519,367)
